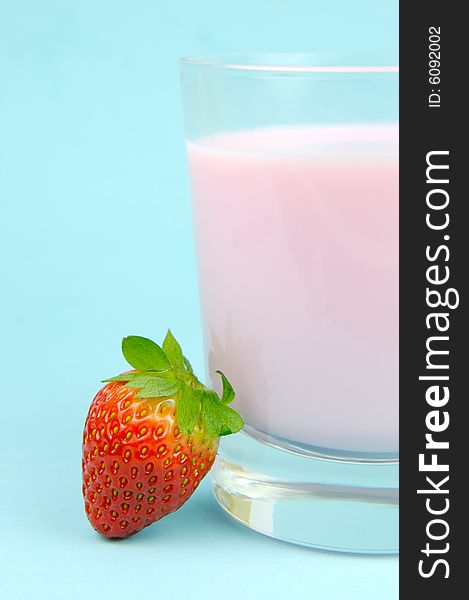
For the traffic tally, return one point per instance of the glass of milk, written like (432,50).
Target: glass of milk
(293,164)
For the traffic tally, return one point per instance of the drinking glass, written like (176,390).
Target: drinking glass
(293,165)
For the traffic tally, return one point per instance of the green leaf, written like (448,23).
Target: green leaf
(232,421)
(218,418)
(210,415)
(155,387)
(166,372)
(152,384)
(188,408)
(228,391)
(143,354)
(173,351)
(123,377)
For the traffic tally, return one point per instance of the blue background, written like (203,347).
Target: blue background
(96,243)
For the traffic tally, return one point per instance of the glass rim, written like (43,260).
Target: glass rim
(288,63)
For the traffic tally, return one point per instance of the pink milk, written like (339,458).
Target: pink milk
(297,236)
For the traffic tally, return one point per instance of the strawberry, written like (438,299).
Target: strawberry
(150,437)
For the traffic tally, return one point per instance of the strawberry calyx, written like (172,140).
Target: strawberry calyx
(162,372)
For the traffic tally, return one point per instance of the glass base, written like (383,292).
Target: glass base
(331,502)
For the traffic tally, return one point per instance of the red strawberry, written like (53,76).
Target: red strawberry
(150,437)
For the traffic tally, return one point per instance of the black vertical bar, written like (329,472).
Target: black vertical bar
(433,260)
